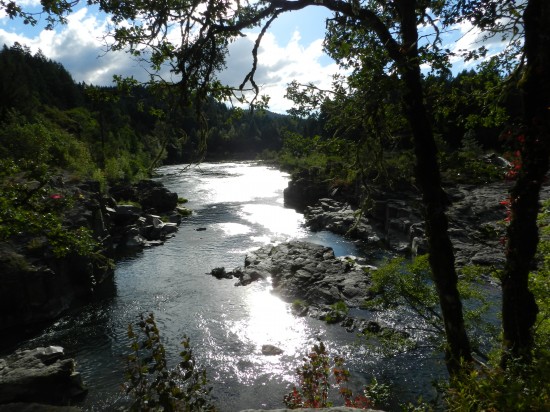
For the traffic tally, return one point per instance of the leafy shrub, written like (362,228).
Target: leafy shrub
(488,388)
(152,385)
(468,164)
(299,307)
(520,387)
(338,311)
(409,284)
(314,378)
(42,142)
(33,208)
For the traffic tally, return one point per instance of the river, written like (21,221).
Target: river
(240,206)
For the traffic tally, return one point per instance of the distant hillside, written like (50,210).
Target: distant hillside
(138,125)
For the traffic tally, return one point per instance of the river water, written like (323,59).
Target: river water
(241,207)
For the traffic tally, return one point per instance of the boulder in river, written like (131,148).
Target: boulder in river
(318,283)
(271,350)
(307,271)
(221,273)
(341,218)
(41,375)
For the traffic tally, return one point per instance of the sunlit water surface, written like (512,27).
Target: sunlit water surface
(241,207)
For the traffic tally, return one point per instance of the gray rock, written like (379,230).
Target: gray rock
(153,220)
(419,246)
(135,241)
(41,375)
(126,214)
(305,188)
(153,195)
(270,350)
(391,231)
(395,222)
(307,271)
(169,229)
(248,276)
(221,273)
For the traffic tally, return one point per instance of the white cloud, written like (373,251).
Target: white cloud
(79,46)
(465,36)
(278,65)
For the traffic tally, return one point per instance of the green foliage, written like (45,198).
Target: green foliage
(329,156)
(298,305)
(315,381)
(184,211)
(313,378)
(42,143)
(521,387)
(488,388)
(539,281)
(99,176)
(338,311)
(469,164)
(123,131)
(35,209)
(155,387)
(409,284)
(399,166)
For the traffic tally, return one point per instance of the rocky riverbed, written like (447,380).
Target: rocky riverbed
(394,221)
(316,281)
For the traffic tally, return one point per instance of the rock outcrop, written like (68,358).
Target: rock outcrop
(394,221)
(33,291)
(37,285)
(318,283)
(40,376)
(150,194)
(309,272)
(304,189)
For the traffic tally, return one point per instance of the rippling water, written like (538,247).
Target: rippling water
(241,207)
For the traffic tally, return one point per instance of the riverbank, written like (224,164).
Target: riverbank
(38,285)
(393,219)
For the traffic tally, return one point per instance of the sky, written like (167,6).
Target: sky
(291,50)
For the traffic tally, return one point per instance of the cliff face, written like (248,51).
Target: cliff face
(37,285)
(34,290)
(394,220)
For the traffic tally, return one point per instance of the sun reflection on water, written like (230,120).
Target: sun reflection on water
(275,219)
(237,184)
(269,321)
(233,229)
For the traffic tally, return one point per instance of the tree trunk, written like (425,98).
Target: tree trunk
(519,309)
(428,178)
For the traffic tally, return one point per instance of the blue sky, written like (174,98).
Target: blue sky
(291,50)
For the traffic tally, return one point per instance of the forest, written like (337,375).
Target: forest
(388,121)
